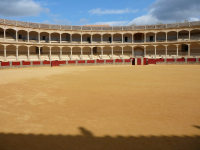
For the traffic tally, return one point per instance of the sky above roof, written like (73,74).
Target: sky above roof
(92,12)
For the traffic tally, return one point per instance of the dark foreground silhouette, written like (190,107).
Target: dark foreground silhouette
(87,141)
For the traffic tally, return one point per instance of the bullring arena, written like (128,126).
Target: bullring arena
(112,93)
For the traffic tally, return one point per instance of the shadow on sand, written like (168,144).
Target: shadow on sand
(87,141)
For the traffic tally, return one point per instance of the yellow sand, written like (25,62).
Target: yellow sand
(102,100)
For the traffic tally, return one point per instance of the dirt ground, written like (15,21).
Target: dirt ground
(98,103)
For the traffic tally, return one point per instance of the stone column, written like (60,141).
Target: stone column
(166,36)
(177,36)
(71,53)
(49,37)
(60,38)
(155,37)
(92,52)
(81,53)
(132,52)
(155,51)
(49,53)
(5,59)
(122,52)
(38,37)
(4,34)
(28,52)
(188,50)
(177,51)
(28,36)
(112,51)
(189,35)
(70,38)
(91,39)
(101,52)
(133,38)
(112,38)
(101,39)
(39,52)
(81,38)
(60,53)
(16,53)
(166,51)
(144,51)
(16,35)
(145,38)
(122,38)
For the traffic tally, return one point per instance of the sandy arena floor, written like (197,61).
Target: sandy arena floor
(100,107)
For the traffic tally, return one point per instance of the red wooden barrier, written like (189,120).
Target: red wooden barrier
(71,61)
(191,59)
(36,62)
(26,63)
(170,60)
(62,62)
(180,59)
(199,59)
(81,61)
(5,63)
(46,62)
(151,61)
(139,61)
(145,61)
(54,63)
(127,60)
(118,60)
(109,61)
(100,61)
(90,61)
(160,60)
(15,63)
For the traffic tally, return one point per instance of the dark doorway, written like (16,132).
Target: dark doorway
(110,39)
(43,37)
(37,50)
(126,39)
(151,38)
(20,36)
(88,39)
(184,48)
(94,50)
(133,61)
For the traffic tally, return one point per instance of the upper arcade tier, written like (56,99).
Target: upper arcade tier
(96,28)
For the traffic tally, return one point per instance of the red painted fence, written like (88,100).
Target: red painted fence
(54,63)
(160,60)
(151,61)
(170,60)
(90,61)
(109,61)
(145,61)
(191,59)
(36,62)
(46,62)
(118,60)
(15,63)
(5,63)
(127,60)
(139,62)
(81,61)
(100,61)
(71,61)
(26,63)
(180,59)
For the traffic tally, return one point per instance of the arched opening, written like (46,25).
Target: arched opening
(86,53)
(117,52)
(107,38)
(160,37)
(86,38)
(34,53)
(96,38)
(33,36)
(45,53)
(107,53)
(65,38)
(195,35)
(96,52)
(1,53)
(195,50)
(139,51)
(117,38)
(127,38)
(10,35)
(150,52)
(22,36)
(139,38)
(127,52)
(183,35)
(171,51)
(66,53)
(55,38)
(44,37)
(150,37)
(160,51)
(172,36)
(11,53)
(76,52)
(22,53)
(76,38)
(55,53)
(1,34)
